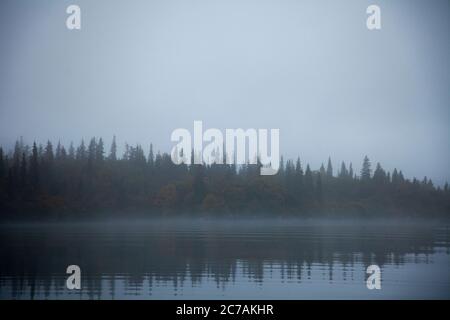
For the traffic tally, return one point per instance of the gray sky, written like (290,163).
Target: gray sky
(140,69)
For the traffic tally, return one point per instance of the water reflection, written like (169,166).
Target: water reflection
(266,260)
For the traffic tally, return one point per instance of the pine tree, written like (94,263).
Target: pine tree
(81,151)
(92,150)
(113,151)
(298,178)
(350,171)
(298,168)
(322,170)
(425,181)
(34,168)
(401,179)
(58,154)
(329,169)
(365,171)
(379,176)
(151,157)
(49,156)
(63,153)
(343,173)
(99,151)
(71,151)
(395,180)
(281,169)
(91,154)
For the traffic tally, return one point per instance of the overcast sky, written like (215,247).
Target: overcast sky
(140,69)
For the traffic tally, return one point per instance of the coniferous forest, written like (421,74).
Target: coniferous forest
(93,181)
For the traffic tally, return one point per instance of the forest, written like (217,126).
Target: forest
(41,182)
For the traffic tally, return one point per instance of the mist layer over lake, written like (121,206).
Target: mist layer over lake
(225,259)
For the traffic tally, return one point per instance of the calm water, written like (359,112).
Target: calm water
(224,260)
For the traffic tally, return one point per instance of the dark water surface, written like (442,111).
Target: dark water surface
(268,259)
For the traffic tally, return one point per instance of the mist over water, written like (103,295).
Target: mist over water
(226,259)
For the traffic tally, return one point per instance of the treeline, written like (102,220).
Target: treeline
(42,182)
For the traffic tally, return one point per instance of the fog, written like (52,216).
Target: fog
(141,69)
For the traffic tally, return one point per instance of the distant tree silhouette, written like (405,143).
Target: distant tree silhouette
(34,169)
(113,151)
(329,169)
(40,183)
(366,170)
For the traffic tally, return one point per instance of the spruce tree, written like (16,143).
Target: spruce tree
(34,168)
(379,176)
(71,154)
(81,151)
(329,169)
(365,171)
(49,156)
(99,151)
(350,171)
(151,157)
(113,151)
(395,179)
(343,173)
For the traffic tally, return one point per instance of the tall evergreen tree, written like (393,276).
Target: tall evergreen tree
(395,179)
(350,171)
(322,170)
(281,169)
(379,175)
(298,168)
(99,151)
(49,156)
(34,168)
(71,151)
(401,179)
(63,153)
(343,173)
(365,170)
(92,153)
(58,154)
(151,156)
(329,168)
(81,151)
(113,152)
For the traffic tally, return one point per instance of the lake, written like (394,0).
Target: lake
(222,259)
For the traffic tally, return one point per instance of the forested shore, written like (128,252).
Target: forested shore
(69,182)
